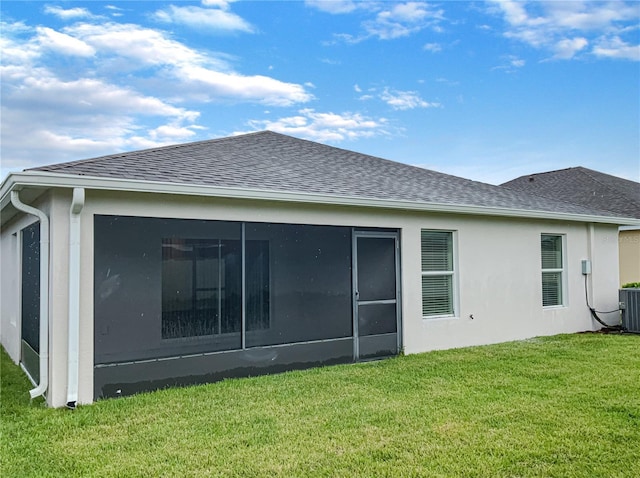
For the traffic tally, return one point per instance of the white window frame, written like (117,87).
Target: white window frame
(561,270)
(452,273)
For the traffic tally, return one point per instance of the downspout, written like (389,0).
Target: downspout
(77,203)
(41,388)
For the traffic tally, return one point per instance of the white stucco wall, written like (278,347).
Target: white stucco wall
(500,282)
(498,272)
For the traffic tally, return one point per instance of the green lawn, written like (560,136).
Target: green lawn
(561,406)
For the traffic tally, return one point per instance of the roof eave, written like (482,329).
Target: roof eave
(43,179)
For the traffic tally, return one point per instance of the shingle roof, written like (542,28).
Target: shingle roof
(271,161)
(585,187)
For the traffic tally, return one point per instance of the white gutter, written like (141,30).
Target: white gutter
(45,179)
(77,203)
(42,387)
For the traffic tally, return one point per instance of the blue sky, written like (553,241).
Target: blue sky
(485,90)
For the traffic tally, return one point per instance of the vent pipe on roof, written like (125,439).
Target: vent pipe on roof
(77,203)
(42,387)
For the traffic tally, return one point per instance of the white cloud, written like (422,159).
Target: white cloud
(114,11)
(447,81)
(568,28)
(389,20)
(68,14)
(90,96)
(204,19)
(85,117)
(224,4)
(333,6)
(405,100)
(55,137)
(511,64)
(64,88)
(402,19)
(331,62)
(326,127)
(568,47)
(62,43)
(15,52)
(258,88)
(206,77)
(172,133)
(433,47)
(406,12)
(144,45)
(590,15)
(616,48)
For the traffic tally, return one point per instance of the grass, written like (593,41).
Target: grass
(566,406)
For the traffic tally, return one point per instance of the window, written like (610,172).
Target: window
(552,270)
(437,274)
(201,292)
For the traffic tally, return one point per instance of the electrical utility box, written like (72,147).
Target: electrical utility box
(586,267)
(630,305)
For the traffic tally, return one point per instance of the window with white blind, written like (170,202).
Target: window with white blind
(438,271)
(552,270)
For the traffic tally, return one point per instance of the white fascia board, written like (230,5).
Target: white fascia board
(43,179)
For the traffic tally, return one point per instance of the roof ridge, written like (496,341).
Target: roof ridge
(587,172)
(552,171)
(594,178)
(583,170)
(371,156)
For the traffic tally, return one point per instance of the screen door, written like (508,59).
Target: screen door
(376,293)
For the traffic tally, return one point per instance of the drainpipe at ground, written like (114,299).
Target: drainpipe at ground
(42,387)
(77,203)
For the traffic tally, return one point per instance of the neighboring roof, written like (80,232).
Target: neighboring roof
(585,187)
(268,165)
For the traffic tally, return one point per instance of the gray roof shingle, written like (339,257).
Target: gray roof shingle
(275,162)
(585,187)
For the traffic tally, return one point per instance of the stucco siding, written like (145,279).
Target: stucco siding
(629,243)
(499,276)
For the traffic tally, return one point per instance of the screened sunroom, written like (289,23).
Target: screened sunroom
(181,301)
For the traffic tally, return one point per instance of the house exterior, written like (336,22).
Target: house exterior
(596,190)
(262,253)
